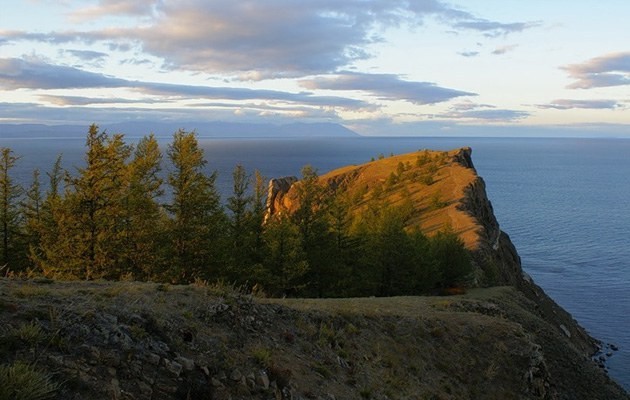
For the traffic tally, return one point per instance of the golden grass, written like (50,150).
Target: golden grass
(435,206)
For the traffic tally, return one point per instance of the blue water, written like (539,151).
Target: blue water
(564,202)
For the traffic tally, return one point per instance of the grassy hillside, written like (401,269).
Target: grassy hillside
(430,184)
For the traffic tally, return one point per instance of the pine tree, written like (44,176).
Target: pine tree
(198,223)
(10,193)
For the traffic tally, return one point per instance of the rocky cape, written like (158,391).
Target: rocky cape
(505,338)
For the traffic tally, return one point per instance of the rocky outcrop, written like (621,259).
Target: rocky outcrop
(276,190)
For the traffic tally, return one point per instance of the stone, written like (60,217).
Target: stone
(153,358)
(173,366)
(251,381)
(186,363)
(565,331)
(115,388)
(236,375)
(216,383)
(262,380)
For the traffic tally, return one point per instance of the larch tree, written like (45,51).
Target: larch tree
(47,256)
(144,219)
(257,217)
(92,214)
(198,223)
(10,194)
(239,249)
(284,271)
(32,211)
(310,218)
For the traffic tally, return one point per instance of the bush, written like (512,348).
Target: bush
(21,381)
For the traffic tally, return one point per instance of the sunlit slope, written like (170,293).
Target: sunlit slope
(431,187)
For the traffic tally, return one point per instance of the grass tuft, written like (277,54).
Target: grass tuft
(22,381)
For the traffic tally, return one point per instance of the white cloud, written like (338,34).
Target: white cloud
(386,87)
(259,39)
(504,49)
(566,104)
(607,70)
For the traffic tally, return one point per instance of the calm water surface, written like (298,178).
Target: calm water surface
(564,202)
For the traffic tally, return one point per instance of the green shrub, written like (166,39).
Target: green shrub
(21,381)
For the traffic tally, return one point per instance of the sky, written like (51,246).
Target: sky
(378,67)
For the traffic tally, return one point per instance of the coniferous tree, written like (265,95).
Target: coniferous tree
(52,234)
(452,261)
(32,212)
(238,204)
(10,193)
(310,218)
(285,267)
(198,223)
(90,216)
(144,219)
(256,220)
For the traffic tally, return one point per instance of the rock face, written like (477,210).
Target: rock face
(275,191)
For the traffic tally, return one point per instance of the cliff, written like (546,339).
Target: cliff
(442,189)
(439,190)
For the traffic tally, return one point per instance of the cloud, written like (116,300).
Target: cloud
(504,49)
(564,104)
(24,74)
(488,115)
(89,57)
(385,87)
(495,29)
(191,117)
(607,70)
(467,105)
(469,53)
(114,7)
(85,101)
(260,39)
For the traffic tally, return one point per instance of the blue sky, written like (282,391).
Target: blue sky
(379,67)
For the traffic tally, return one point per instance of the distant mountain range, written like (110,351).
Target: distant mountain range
(203,129)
